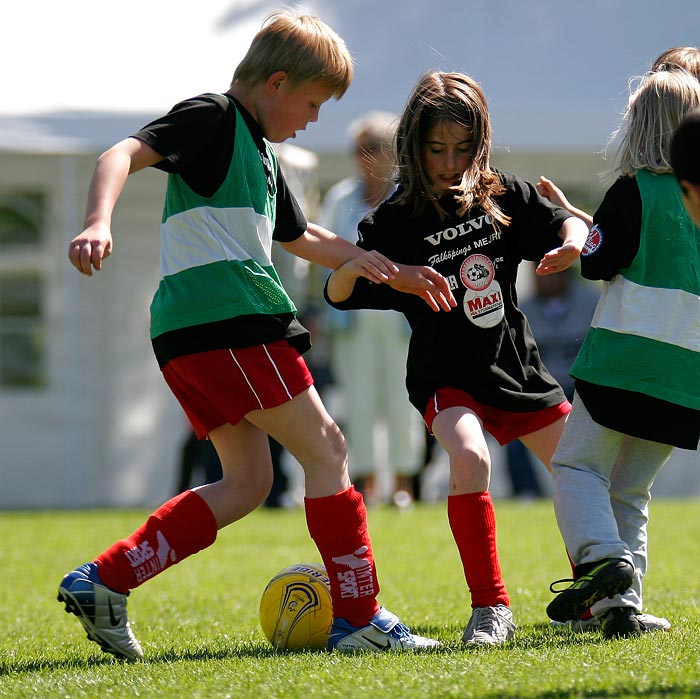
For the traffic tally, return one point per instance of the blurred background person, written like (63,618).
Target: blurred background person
(559,312)
(369,348)
(199,463)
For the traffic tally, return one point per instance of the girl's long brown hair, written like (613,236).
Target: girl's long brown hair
(457,98)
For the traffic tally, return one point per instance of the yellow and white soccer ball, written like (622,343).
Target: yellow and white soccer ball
(296,609)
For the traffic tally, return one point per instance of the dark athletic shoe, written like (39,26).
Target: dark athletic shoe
(647,624)
(608,578)
(620,622)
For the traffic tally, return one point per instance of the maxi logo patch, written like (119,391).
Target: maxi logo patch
(483,300)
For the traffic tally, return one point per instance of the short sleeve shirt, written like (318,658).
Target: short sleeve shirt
(484,346)
(196,139)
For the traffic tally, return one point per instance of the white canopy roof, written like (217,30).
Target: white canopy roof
(83,74)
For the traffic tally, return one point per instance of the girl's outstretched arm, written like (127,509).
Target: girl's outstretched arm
(350,262)
(574,233)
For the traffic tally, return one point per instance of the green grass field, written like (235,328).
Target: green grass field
(199,630)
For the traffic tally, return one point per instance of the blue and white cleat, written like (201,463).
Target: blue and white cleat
(101,611)
(383,633)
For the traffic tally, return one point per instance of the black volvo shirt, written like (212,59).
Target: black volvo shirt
(484,346)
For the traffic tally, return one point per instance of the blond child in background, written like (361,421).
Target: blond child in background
(638,371)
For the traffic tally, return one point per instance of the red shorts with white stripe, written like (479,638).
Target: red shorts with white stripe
(223,386)
(503,425)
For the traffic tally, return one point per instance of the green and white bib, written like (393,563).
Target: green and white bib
(645,334)
(216,251)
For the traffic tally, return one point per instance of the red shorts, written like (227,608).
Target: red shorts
(223,386)
(504,425)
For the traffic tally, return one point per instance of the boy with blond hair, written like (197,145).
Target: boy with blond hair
(225,332)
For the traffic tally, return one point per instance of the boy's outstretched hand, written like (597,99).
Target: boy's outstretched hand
(90,248)
(425,282)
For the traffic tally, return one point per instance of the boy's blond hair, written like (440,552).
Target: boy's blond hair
(654,111)
(302,46)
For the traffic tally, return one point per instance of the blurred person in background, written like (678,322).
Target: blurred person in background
(559,313)
(368,347)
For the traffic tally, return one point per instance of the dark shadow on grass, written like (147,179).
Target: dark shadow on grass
(30,666)
(530,636)
(543,636)
(257,651)
(252,650)
(612,693)
(172,655)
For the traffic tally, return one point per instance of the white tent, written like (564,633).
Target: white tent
(555,73)
(77,76)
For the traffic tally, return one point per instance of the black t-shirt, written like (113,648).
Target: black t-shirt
(618,224)
(196,139)
(620,215)
(484,346)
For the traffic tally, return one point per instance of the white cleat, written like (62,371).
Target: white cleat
(383,633)
(489,626)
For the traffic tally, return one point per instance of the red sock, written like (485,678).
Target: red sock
(473,523)
(177,529)
(338,526)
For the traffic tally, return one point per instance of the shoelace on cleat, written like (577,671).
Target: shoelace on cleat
(567,581)
(485,617)
(401,631)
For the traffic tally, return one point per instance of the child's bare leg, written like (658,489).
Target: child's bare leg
(337,521)
(543,442)
(96,592)
(244,452)
(473,523)
(304,427)
(459,432)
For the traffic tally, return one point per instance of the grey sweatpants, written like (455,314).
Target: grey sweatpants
(602,483)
